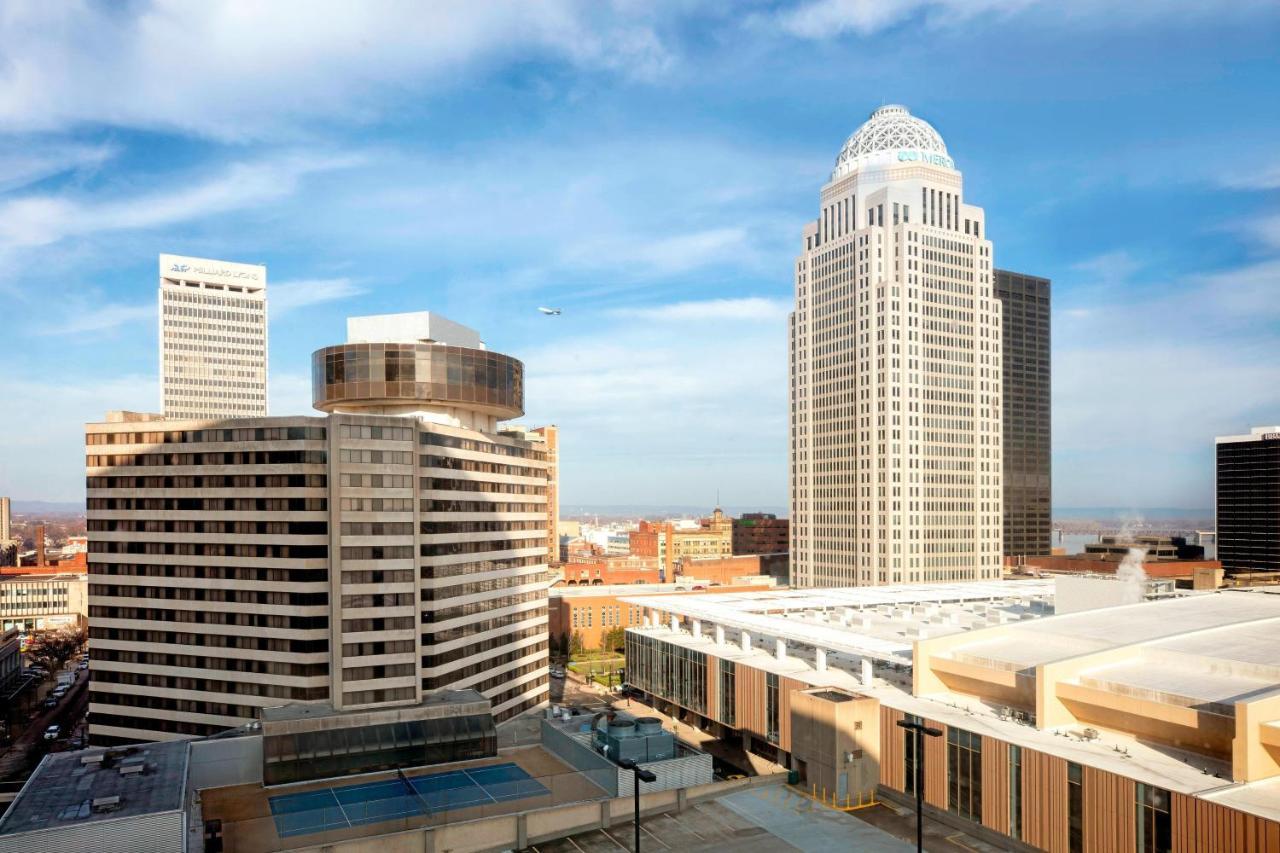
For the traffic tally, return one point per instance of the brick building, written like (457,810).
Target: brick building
(761,533)
(593,612)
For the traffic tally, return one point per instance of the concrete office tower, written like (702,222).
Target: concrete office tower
(1249,500)
(213,338)
(5,521)
(548,437)
(1028,447)
(393,546)
(895,362)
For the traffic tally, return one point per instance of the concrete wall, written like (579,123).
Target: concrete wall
(226,761)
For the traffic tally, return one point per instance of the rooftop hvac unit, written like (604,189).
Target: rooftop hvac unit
(133,769)
(648,726)
(92,759)
(105,804)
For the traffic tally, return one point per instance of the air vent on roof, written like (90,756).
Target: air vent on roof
(106,804)
(133,769)
(92,759)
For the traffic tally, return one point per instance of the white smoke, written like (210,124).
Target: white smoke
(1131,574)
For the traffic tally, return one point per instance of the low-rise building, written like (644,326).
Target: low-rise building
(761,533)
(727,571)
(612,570)
(1149,726)
(36,602)
(593,612)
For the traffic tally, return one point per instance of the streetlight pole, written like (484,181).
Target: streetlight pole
(641,775)
(919,730)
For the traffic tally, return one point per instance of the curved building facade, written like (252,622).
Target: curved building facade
(394,546)
(895,364)
(436,382)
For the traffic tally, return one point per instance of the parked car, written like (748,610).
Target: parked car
(49,702)
(84,664)
(557,672)
(52,732)
(59,693)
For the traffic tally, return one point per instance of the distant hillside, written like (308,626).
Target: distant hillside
(1116,513)
(21,507)
(657,510)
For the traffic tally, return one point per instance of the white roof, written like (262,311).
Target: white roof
(877,622)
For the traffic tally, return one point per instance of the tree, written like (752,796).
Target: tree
(613,639)
(575,644)
(51,649)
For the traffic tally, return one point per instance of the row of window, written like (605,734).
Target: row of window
(198,436)
(213,504)
(234,573)
(217,641)
(234,481)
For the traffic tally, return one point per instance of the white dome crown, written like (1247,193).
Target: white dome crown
(890,128)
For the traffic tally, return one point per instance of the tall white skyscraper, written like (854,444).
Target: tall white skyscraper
(213,338)
(895,362)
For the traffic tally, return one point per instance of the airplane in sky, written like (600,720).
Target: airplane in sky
(550,312)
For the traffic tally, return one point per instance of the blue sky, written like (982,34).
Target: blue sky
(647,167)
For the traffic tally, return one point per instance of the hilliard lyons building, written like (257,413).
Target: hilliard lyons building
(1143,727)
(395,545)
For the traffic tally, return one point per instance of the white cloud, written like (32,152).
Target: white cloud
(1259,179)
(289,394)
(648,411)
(1110,268)
(44,456)
(663,255)
(26,161)
(286,296)
(825,19)
(751,308)
(40,220)
(85,317)
(1141,391)
(235,70)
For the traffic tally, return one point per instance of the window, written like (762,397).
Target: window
(771,706)
(1155,828)
(1075,808)
(1015,791)
(964,773)
(728,679)
(910,761)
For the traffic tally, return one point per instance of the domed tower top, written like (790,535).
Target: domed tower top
(891,128)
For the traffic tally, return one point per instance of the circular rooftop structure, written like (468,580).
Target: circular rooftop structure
(363,376)
(890,128)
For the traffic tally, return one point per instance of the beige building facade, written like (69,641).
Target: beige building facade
(213,338)
(1133,728)
(43,601)
(895,366)
(393,546)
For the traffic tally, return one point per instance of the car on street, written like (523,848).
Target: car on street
(49,702)
(84,664)
(556,672)
(52,732)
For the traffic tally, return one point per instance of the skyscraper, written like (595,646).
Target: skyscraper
(5,520)
(895,363)
(213,338)
(393,546)
(1028,449)
(1249,500)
